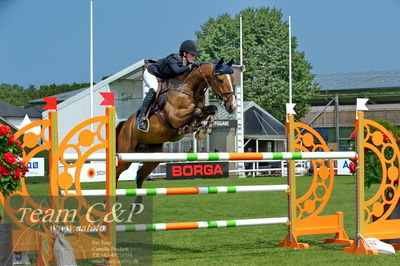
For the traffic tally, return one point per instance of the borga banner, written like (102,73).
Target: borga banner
(197,170)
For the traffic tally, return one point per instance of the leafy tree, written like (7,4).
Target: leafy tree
(17,95)
(265,56)
(13,94)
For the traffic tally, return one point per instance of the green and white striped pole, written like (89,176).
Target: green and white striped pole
(182,190)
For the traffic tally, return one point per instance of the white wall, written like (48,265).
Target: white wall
(128,96)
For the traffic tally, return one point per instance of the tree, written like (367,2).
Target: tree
(265,56)
(17,95)
(12,94)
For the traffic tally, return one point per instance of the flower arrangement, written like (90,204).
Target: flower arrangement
(12,168)
(373,170)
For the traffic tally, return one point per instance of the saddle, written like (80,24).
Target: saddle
(159,101)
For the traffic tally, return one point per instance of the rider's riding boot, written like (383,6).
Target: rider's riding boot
(142,117)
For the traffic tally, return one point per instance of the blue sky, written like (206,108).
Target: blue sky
(47,41)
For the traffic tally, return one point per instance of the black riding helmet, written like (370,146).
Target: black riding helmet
(190,46)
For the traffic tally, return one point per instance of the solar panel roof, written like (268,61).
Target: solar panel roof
(359,80)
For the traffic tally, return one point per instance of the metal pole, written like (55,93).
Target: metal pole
(337,120)
(240,100)
(91,62)
(290,60)
(257,164)
(240,125)
(241,41)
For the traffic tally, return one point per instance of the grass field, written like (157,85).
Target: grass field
(246,245)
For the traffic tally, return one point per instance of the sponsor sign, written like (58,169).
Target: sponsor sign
(197,170)
(343,167)
(36,167)
(96,172)
(224,123)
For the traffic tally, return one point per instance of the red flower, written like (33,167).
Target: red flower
(4,130)
(18,173)
(18,143)
(11,140)
(353,135)
(24,167)
(352,167)
(4,171)
(1,218)
(385,138)
(398,139)
(10,158)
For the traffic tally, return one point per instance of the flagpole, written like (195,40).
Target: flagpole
(91,61)
(290,60)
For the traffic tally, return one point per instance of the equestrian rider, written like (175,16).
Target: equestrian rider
(166,68)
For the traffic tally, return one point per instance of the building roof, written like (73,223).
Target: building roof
(359,80)
(10,110)
(60,97)
(130,72)
(5,122)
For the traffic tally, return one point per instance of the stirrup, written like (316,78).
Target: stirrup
(147,125)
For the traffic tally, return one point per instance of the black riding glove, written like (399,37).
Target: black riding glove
(195,64)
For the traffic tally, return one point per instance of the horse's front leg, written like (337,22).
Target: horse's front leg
(209,112)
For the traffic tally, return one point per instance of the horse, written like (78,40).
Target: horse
(183,95)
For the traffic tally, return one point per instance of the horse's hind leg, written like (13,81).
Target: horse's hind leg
(124,144)
(122,167)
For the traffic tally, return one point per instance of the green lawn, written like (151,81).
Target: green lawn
(246,245)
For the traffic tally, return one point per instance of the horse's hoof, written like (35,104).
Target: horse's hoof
(200,136)
(212,109)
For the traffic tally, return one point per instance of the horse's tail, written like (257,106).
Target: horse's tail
(118,130)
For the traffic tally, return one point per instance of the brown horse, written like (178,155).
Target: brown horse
(177,117)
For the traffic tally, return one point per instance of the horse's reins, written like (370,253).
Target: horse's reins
(219,94)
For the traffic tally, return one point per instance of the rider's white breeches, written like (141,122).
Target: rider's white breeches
(150,81)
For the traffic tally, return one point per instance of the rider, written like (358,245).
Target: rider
(166,68)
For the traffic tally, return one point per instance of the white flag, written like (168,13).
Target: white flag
(290,109)
(362,104)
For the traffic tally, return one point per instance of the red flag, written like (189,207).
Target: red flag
(51,103)
(108,98)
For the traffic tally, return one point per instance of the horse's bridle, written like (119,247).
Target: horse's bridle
(219,94)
